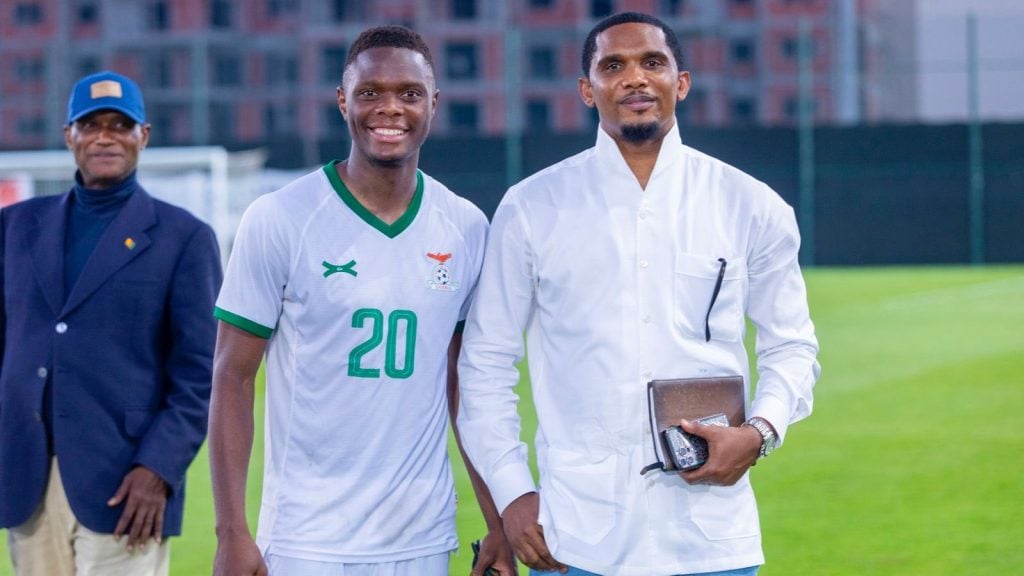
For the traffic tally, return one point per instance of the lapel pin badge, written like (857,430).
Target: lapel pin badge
(129,243)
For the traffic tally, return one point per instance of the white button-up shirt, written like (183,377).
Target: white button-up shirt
(612,284)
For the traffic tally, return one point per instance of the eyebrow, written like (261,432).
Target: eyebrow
(618,56)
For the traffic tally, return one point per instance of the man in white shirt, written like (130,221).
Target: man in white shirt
(354,280)
(635,260)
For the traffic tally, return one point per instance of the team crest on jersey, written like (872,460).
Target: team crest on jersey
(441,277)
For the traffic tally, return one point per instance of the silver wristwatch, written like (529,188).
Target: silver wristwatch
(768,438)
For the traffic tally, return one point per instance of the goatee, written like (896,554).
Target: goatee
(639,133)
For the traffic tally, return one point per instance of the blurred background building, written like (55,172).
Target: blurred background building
(892,127)
(240,73)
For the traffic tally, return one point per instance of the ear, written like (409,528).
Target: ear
(145,136)
(342,103)
(683,88)
(433,103)
(67,136)
(586,92)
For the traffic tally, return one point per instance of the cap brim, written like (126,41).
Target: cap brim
(98,107)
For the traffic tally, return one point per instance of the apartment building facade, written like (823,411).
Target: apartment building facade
(244,72)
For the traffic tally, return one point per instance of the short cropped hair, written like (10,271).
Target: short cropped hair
(590,45)
(389,37)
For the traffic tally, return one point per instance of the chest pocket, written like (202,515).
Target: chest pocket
(699,310)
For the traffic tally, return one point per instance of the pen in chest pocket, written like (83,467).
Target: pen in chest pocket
(714,296)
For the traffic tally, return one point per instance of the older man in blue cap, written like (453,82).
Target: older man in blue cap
(106,345)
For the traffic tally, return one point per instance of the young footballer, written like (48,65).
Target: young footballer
(353,281)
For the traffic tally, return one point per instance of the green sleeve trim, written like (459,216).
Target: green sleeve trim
(389,230)
(460,326)
(243,323)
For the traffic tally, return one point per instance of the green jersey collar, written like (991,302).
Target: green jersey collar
(389,230)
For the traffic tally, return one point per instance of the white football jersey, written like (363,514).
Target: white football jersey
(359,315)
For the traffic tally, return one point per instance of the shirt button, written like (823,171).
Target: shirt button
(42,372)
(647,375)
(643,214)
(61,328)
(643,263)
(647,319)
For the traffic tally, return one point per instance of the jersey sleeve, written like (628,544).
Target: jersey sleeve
(253,290)
(476,242)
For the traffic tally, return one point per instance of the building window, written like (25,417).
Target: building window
(672,7)
(542,62)
(158,71)
(742,51)
(332,64)
(29,69)
(343,10)
(278,8)
(463,117)
(28,14)
(227,70)
(463,9)
(791,47)
(538,116)
(88,13)
(161,120)
(743,110)
(281,69)
(601,8)
(88,65)
(460,61)
(279,119)
(32,126)
(334,123)
(158,15)
(220,14)
(792,107)
(222,122)
(694,108)
(270,120)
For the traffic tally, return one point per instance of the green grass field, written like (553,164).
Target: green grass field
(912,462)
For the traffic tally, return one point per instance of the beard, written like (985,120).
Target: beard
(640,133)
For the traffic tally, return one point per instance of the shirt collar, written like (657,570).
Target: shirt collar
(668,155)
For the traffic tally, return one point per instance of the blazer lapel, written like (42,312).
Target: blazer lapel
(46,249)
(123,240)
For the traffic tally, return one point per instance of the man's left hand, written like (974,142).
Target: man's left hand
(731,452)
(495,554)
(145,497)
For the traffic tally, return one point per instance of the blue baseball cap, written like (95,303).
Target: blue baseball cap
(106,91)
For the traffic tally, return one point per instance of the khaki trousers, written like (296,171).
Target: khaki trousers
(53,543)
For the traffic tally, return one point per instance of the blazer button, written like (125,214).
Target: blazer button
(42,372)
(39,417)
(61,328)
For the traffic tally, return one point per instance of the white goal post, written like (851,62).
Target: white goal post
(212,183)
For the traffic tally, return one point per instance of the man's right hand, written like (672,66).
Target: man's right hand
(238,555)
(527,536)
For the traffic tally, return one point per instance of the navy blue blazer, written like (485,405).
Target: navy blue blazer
(128,354)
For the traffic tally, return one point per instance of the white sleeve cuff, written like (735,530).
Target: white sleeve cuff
(774,411)
(510,482)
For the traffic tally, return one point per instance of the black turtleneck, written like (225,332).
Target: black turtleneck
(91,213)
